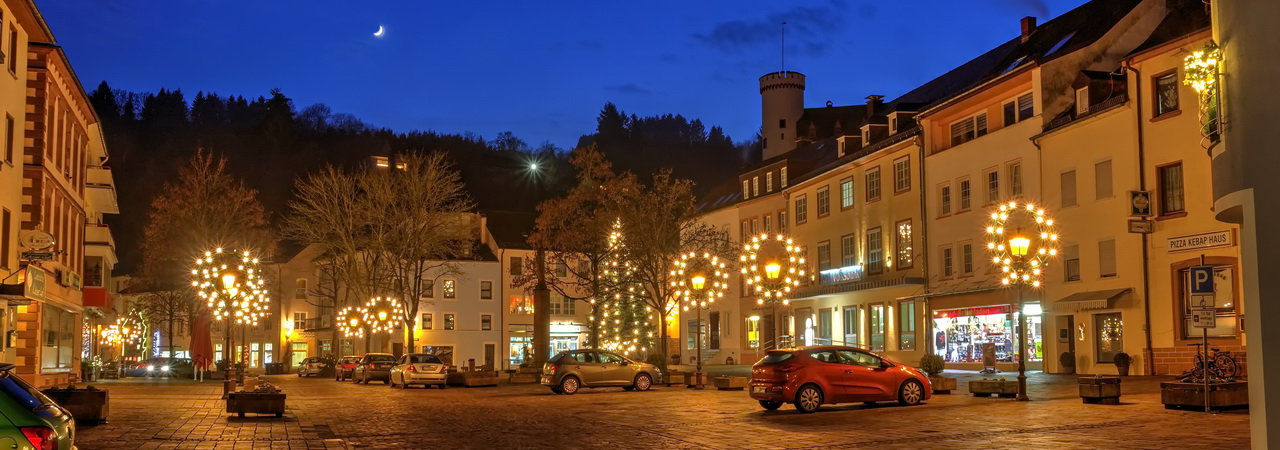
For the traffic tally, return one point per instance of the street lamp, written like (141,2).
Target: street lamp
(381,315)
(1022,258)
(772,265)
(232,287)
(692,273)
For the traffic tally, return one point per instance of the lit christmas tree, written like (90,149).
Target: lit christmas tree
(625,321)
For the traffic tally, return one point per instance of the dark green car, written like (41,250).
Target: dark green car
(29,419)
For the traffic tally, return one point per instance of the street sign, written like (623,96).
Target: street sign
(1201,279)
(1202,300)
(1204,318)
(1141,226)
(1140,203)
(37,256)
(35,239)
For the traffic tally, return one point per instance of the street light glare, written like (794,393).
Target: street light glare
(533,166)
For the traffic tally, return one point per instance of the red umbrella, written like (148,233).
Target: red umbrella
(201,343)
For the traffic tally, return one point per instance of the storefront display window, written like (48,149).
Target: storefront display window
(907,325)
(1110,336)
(1224,303)
(959,334)
(59,334)
(753,332)
(518,348)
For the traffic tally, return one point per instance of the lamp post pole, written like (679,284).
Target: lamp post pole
(1022,348)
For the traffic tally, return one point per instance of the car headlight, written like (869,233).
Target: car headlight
(150,368)
(164,368)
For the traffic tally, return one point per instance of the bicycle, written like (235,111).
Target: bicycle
(1222,367)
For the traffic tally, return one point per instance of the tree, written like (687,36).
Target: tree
(661,222)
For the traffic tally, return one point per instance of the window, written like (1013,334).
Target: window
(1170,180)
(1102,180)
(1071,262)
(59,338)
(840,147)
(1068,180)
(486,290)
(968,128)
(782,221)
(746,189)
(584,267)
(8,139)
(520,304)
(450,321)
(13,49)
(300,321)
(768,182)
(1026,107)
(768,223)
(567,306)
(429,288)
(1109,336)
(486,322)
(1010,110)
(824,326)
(1082,101)
(802,209)
(783,176)
(517,266)
(848,254)
(755,229)
(1225,302)
(824,255)
(964,195)
(875,251)
(746,230)
(966,259)
(824,201)
(426,321)
(846,193)
(562,270)
(944,200)
(5,244)
(555,303)
(255,352)
(300,289)
(851,325)
(1166,86)
(1015,179)
(907,325)
(694,332)
(1107,258)
(873,184)
(877,328)
(902,174)
(450,289)
(782,123)
(903,245)
(755,186)
(713,319)
(948,263)
(753,332)
(993,186)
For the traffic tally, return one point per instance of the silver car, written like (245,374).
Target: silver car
(419,368)
(571,370)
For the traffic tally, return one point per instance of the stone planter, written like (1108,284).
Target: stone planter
(988,387)
(256,403)
(88,406)
(480,378)
(674,378)
(1191,395)
(942,385)
(730,383)
(1105,390)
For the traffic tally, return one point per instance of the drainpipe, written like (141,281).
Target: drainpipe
(924,238)
(1142,185)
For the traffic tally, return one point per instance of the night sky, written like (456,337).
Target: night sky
(539,69)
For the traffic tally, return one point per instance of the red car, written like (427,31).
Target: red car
(344,367)
(810,377)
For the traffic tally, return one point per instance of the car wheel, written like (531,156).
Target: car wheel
(911,393)
(392,384)
(643,382)
(771,404)
(570,385)
(808,399)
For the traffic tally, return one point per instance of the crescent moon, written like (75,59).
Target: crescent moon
(380,31)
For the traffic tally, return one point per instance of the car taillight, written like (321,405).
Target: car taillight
(786,368)
(412,369)
(41,438)
(552,367)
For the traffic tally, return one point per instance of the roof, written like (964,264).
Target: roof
(1185,17)
(510,229)
(824,120)
(722,195)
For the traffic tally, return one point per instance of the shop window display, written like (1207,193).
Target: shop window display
(959,334)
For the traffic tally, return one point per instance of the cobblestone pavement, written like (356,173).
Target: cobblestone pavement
(323,413)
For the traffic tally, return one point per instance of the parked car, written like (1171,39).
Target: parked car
(568,371)
(419,368)
(161,367)
(314,365)
(373,366)
(28,417)
(344,366)
(810,377)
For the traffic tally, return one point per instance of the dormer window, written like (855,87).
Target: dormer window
(1082,101)
(840,147)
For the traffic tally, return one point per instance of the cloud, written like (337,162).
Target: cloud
(629,89)
(808,29)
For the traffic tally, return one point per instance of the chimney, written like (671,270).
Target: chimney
(1028,27)
(874,102)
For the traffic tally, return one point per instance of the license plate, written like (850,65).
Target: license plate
(757,389)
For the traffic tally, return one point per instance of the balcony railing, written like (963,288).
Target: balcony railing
(101,189)
(99,234)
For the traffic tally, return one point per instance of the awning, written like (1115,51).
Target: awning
(1081,301)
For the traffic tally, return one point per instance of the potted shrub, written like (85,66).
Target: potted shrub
(933,365)
(1122,361)
(1068,362)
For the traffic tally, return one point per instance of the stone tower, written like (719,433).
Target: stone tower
(782,104)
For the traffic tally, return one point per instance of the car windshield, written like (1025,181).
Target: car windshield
(424,359)
(775,357)
(380,358)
